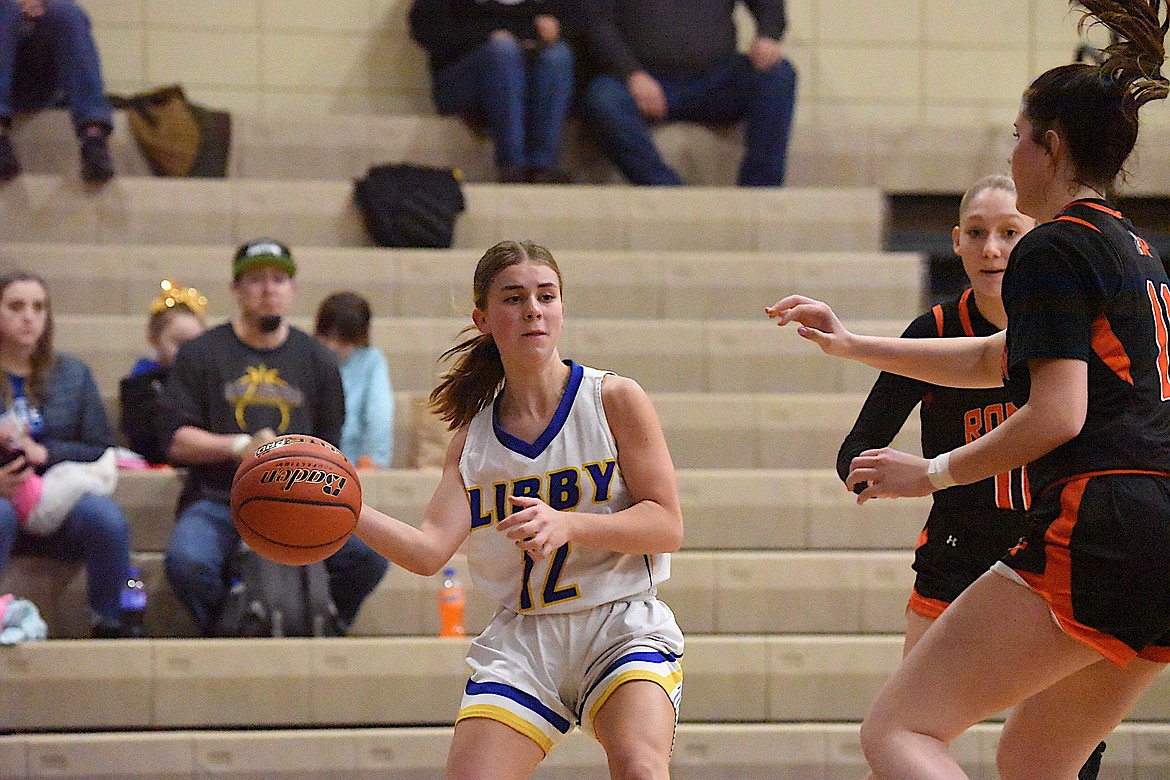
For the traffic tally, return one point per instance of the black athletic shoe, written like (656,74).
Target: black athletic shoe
(1093,765)
(9,165)
(96,165)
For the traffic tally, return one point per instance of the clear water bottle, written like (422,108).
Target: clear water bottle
(133,603)
(452,600)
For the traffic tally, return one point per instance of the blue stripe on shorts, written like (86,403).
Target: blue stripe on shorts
(525,700)
(649,656)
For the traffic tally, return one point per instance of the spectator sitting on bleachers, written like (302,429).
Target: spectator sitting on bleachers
(43,502)
(677,60)
(231,389)
(46,49)
(505,65)
(176,317)
(70,424)
(367,436)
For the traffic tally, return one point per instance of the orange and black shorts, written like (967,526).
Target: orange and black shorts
(957,546)
(1098,551)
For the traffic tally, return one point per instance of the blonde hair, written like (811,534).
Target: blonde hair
(996,181)
(476,376)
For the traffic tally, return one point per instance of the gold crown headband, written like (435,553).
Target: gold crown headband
(173,294)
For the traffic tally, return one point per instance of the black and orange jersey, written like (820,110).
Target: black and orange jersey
(951,417)
(1086,287)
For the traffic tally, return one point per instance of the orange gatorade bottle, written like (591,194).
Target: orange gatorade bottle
(452,600)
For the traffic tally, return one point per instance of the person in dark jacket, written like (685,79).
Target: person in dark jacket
(176,317)
(503,64)
(667,60)
(67,422)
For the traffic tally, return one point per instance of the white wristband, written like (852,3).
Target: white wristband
(239,444)
(938,471)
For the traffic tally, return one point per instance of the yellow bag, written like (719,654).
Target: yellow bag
(177,137)
(166,130)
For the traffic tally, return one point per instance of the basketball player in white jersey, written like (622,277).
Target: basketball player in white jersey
(559,479)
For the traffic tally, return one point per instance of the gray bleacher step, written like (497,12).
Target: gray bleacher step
(719,751)
(213,683)
(675,355)
(202,212)
(703,430)
(122,279)
(715,751)
(724,509)
(710,592)
(896,156)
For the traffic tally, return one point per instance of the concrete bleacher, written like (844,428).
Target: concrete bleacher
(669,355)
(895,156)
(135,210)
(790,594)
(719,284)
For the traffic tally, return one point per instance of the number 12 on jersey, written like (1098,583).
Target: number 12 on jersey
(552,591)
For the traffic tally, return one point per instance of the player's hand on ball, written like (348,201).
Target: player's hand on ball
(816,322)
(536,527)
(260,438)
(889,473)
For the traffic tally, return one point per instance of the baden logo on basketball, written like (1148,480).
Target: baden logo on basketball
(331,484)
(296,500)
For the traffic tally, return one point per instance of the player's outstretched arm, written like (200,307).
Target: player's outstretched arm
(953,362)
(1055,412)
(445,524)
(653,524)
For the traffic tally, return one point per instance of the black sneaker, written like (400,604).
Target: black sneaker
(9,165)
(96,165)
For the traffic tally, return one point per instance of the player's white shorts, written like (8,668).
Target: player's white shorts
(543,674)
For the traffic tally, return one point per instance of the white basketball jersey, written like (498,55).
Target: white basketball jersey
(571,466)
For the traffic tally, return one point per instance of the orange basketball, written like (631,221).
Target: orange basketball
(296,500)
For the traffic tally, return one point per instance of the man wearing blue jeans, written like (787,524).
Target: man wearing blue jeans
(502,63)
(668,60)
(46,49)
(231,389)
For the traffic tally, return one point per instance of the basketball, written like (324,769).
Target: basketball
(296,500)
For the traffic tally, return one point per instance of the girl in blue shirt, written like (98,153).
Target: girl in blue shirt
(367,436)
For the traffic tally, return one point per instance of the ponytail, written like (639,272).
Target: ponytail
(1134,60)
(477,374)
(1095,107)
(472,382)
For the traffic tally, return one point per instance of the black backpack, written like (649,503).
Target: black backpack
(138,399)
(410,205)
(270,599)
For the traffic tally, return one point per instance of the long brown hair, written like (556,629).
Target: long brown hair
(1095,107)
(475,377)
(42,356)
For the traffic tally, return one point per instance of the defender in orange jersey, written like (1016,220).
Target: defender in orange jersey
(1074,624)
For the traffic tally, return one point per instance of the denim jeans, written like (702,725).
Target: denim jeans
(95,532)
(52,55)
(523,98)
(204,539)
(734,91)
